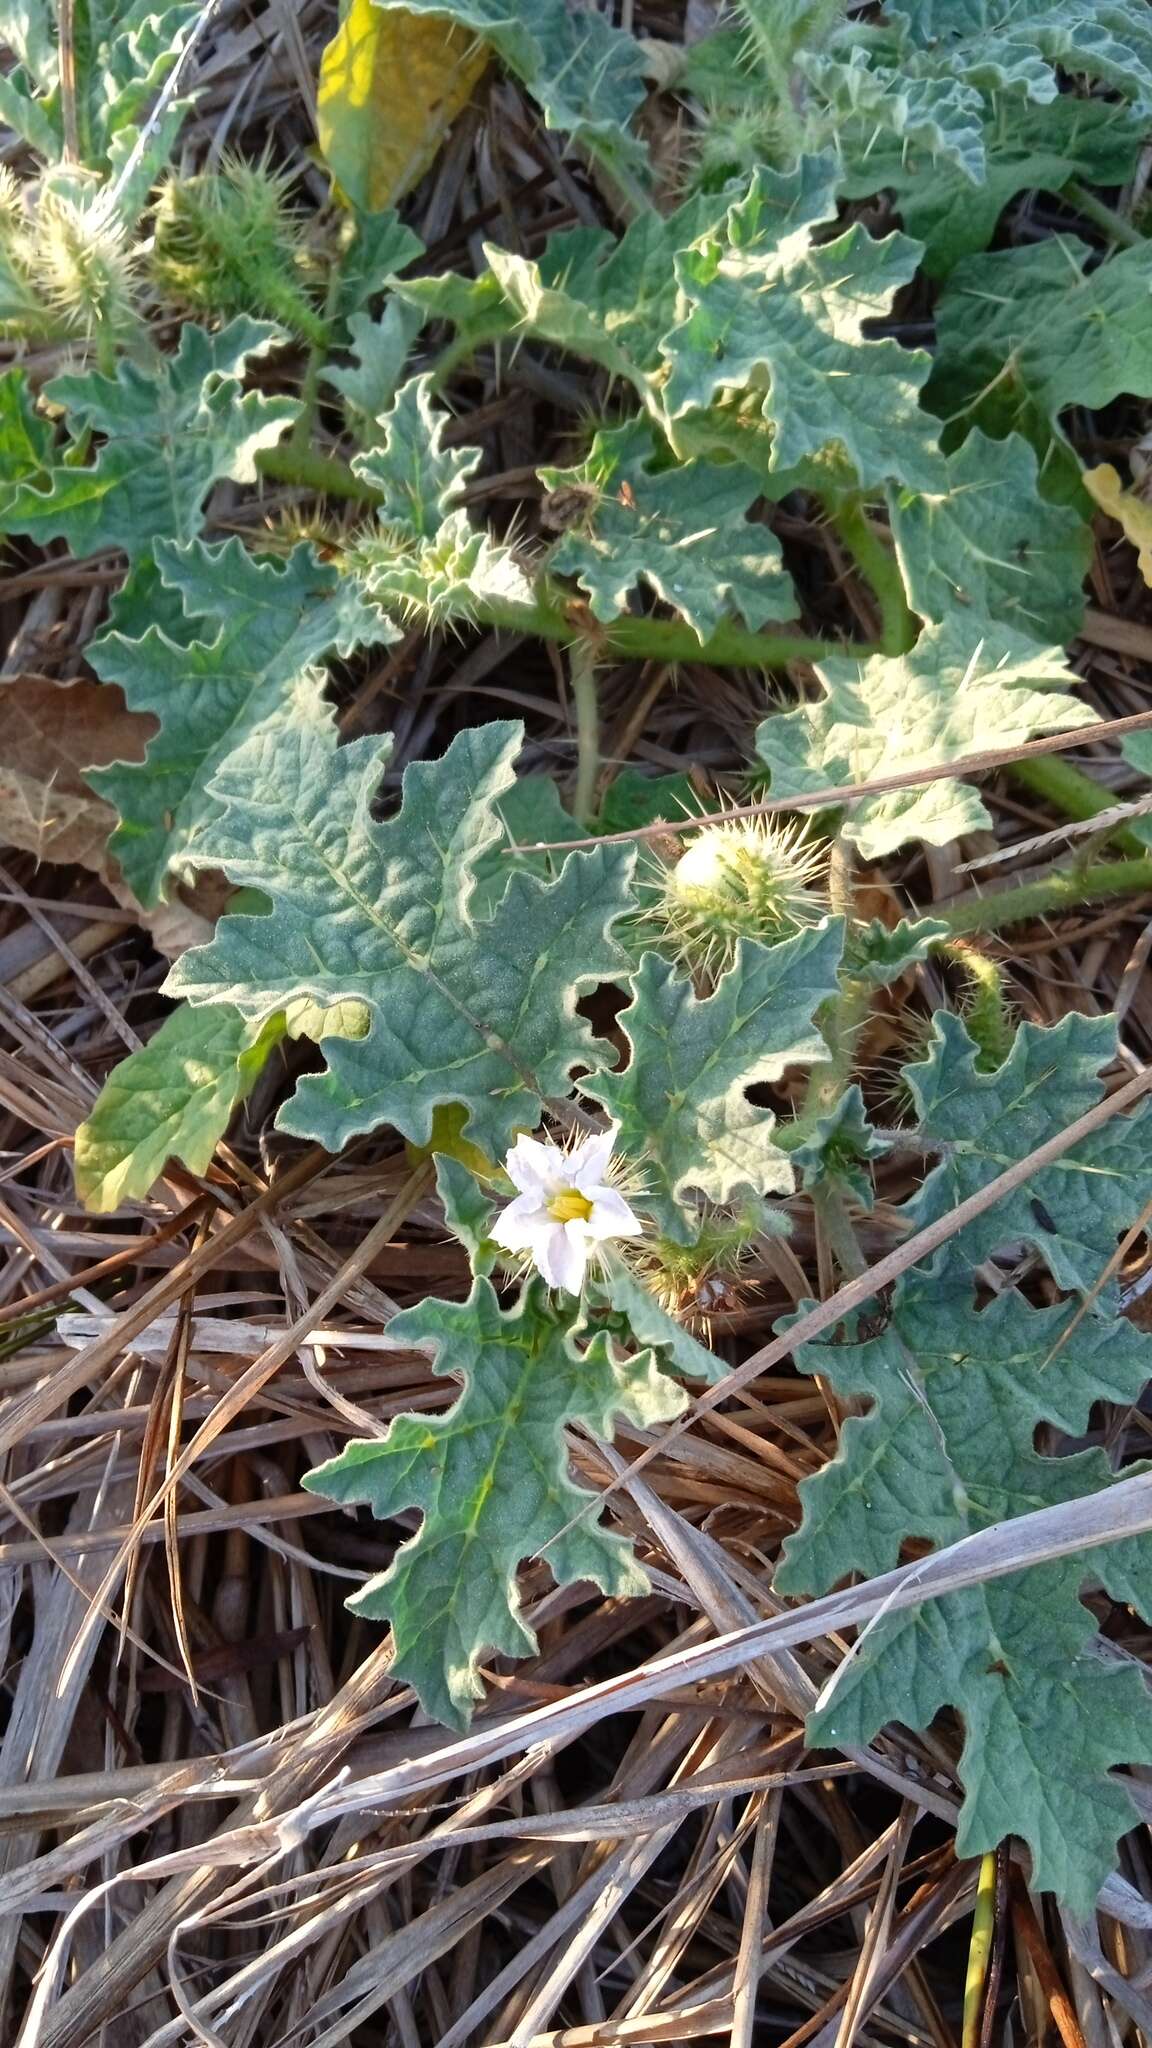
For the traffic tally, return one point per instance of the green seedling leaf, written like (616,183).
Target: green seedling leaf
(988,545)
(247,660)
(946,1449)
(769,304)
(684,532)
(839,1151)
(682,1100)
(879,954)
(1073,1213)
(171,1100)
(380,348)
(425,558)
(960,690)
(169,432)
(468,1211)
(491,1481)
(483,1015)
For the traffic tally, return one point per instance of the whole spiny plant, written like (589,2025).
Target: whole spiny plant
(444,940)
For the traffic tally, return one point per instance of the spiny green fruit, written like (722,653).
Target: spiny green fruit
(227,241)
(750,879)
(696,1282)
(83,266)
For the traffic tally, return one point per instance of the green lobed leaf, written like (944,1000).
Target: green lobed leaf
(767,303)
(682,1101)
(246,661)
(683,531)
(863,96)
(633,798)
(1027,147)
(482,1015)
(170,431)
(1025,333)
(490,1479)
(415,473)
(962,688)
(648,1323)
(987,544)
(531,810)
(1072,1213)
(26,438)
(946,1449)
(607,300)
(468,1211)
(172,1099)
(1020,43)
(381,244)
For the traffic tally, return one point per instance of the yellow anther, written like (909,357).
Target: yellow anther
(570,1206)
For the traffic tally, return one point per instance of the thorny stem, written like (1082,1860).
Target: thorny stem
(586,699)
(1067,889)
(663,640)
(1104,217)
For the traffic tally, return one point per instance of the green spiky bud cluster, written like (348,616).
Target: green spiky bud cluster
(228,241)
(751,879)
(66,265)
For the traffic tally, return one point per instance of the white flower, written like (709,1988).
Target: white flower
(565,1206)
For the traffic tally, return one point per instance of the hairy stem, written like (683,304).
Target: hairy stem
(877,563)
(586,699)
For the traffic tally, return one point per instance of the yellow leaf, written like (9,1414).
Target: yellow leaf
(391,85)
(1134,514)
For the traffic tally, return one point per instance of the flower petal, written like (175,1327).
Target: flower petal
(518,1227)
(611,1216)
(562,1256)
(588,1162)
(535,1168)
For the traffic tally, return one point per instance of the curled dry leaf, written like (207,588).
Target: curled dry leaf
(53,732)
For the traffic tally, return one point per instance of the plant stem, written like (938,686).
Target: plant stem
(1105,218)
(1074,795)
(324,474)
(586,698)
(877,562)
(1069,889)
